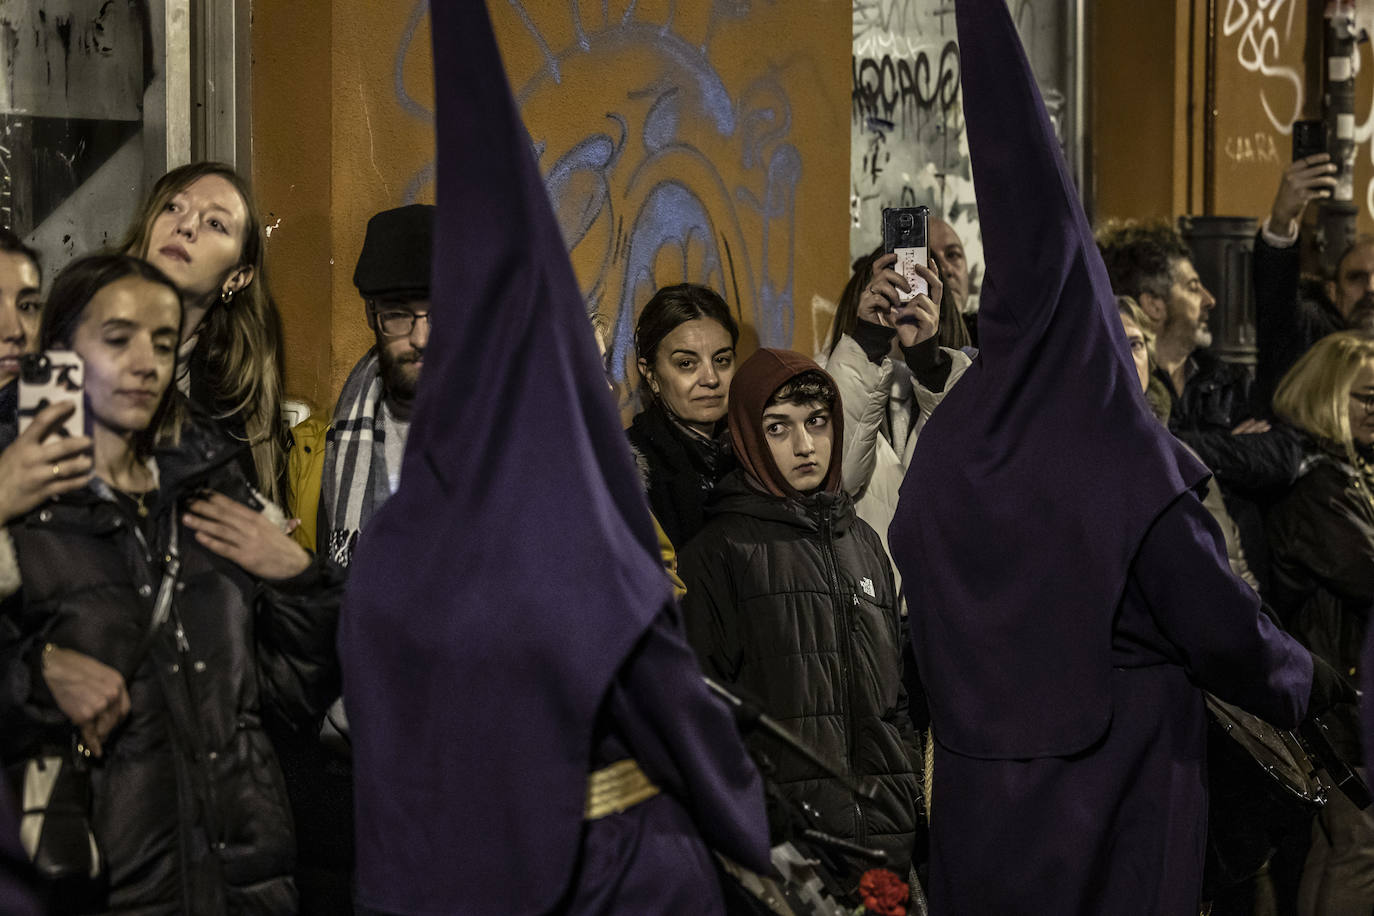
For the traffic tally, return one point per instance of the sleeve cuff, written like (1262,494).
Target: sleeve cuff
(929,364)
(1274,239)
(874,339)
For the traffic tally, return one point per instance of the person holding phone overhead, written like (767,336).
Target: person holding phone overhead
(1069,595)
(892,369)
(162,697)
(1290,315)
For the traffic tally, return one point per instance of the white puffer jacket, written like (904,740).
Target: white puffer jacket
(884,412)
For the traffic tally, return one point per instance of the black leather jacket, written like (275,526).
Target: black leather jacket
(189,806)
(794,605)
(1322,553)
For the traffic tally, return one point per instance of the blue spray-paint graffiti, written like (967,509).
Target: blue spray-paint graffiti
(669,210)
(678,176)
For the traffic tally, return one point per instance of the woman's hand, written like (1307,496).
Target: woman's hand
(32,471)
(880,297)
(245,536)
(918,319)
(90,693)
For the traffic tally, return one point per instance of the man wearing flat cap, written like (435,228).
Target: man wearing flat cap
(341,471)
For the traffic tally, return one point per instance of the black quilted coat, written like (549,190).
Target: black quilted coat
(189,805)
(793,604)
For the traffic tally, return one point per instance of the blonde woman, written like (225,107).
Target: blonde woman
(1322,544)
(200,226)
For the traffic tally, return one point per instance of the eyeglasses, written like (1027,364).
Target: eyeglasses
(399,322)
(1367,400)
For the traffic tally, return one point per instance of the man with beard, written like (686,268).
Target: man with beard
(341,472)
(1208,402)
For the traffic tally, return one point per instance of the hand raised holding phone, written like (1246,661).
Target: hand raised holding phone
(915,320)
(38,465)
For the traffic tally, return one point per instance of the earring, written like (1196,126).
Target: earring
(226,295)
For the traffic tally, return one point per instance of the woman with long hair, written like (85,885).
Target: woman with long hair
(891,375)
(1321,540)
(152,615)
(685,343)
(201,227)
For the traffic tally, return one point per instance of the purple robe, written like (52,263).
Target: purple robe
(508,626)
(1120,828)
(1067,592)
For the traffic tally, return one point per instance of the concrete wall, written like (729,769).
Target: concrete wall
(698,141)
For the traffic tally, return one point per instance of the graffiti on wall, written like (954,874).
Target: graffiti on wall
(909,145)
(1263,32)
(682,173)
(71,101)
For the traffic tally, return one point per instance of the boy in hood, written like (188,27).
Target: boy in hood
(790,601)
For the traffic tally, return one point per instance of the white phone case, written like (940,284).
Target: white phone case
(60,376)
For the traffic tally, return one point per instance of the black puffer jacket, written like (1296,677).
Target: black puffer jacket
(679,470)
(189,805)
(793,604)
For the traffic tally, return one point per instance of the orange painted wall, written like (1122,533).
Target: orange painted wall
(733,114)
(1166,76)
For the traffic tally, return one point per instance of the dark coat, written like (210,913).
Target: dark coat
(679,470)
(1217,397)
(189,805)
(1322,546)
(1287,323)
(793,603)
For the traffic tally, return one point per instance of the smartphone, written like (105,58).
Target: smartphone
(52,378)
(1309,138)
(906,231)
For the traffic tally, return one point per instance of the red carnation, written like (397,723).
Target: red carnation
(883,892)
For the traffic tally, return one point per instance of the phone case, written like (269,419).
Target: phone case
(51,378)
(905,233)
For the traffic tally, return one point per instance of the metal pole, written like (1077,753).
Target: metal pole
(1336,217)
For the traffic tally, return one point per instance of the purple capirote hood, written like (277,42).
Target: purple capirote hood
(494,596)
(1035,481)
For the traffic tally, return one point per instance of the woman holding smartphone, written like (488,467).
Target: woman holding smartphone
(891,375)
(200,227)
(188,806)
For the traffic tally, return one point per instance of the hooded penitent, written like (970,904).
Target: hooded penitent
(754,383)
(494,596)
(1034,483)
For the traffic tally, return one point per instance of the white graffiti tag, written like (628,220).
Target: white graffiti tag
(1260,48)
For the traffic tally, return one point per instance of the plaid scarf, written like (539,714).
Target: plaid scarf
(355,474)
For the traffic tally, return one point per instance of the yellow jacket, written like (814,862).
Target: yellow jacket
(305,472)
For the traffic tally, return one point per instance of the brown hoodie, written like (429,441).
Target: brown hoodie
(754,383)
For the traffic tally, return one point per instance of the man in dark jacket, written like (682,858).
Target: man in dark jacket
(790,599)
(1208,402)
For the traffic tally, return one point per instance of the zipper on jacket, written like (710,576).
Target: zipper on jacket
(844,622)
